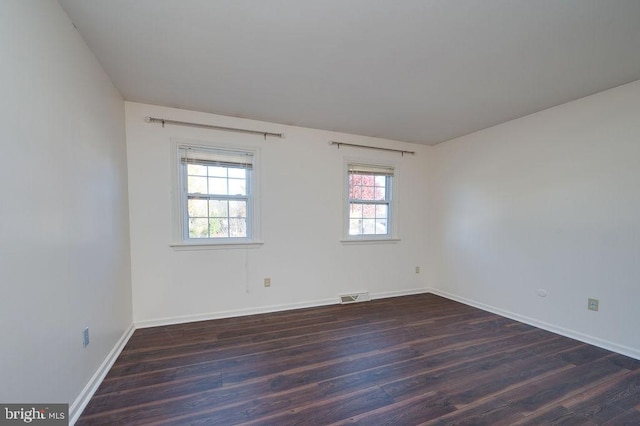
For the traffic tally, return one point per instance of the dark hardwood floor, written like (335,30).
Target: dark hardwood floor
(407,360)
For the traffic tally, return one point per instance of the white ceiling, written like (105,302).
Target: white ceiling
(421,71)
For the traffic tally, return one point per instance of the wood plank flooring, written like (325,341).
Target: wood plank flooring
(408,360)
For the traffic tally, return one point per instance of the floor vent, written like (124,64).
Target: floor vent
(354,298)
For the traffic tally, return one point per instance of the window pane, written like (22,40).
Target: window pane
(368,180)
(380,194)
(237,209)
(367,193)
(218,186)
(355,210)
(369,211)
(355,179)
(381,211)
(198,228)
(218,208)
(198,208)
(237,228)
(355,192)
(368,226)
(237,187)
(217,171)
(195,169)
(381,226)
(196,185)
(219,228)
(381,181)
(237,173)
(355,227)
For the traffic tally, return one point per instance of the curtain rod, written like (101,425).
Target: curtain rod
(211,126)
(402,152)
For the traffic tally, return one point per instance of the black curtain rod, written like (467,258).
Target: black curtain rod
(403,152)
(211,126)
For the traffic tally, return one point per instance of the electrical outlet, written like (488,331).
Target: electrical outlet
(267,282)
(593,304)
(85,337)
(417,269)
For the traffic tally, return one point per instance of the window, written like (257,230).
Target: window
(216,199)
(369,201)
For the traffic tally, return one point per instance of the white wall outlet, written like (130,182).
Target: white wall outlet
(593,305)
(417,269)
(85,337)
(267,282)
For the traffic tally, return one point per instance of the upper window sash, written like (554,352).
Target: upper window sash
(374,200)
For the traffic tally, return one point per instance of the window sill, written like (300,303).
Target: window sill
(371,241)
(215,246)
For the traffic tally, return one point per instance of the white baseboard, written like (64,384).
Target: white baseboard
(595,341)
(233,313)
(398,293)
(265,309)
(92,386)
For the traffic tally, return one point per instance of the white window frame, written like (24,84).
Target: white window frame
(181,239)
(392,220)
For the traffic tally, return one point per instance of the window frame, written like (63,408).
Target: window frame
(391,192)
(181,238)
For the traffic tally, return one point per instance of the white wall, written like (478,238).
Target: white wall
(548,201)
(64,246)
(301,179)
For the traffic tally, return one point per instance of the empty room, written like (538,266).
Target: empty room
(296,212)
